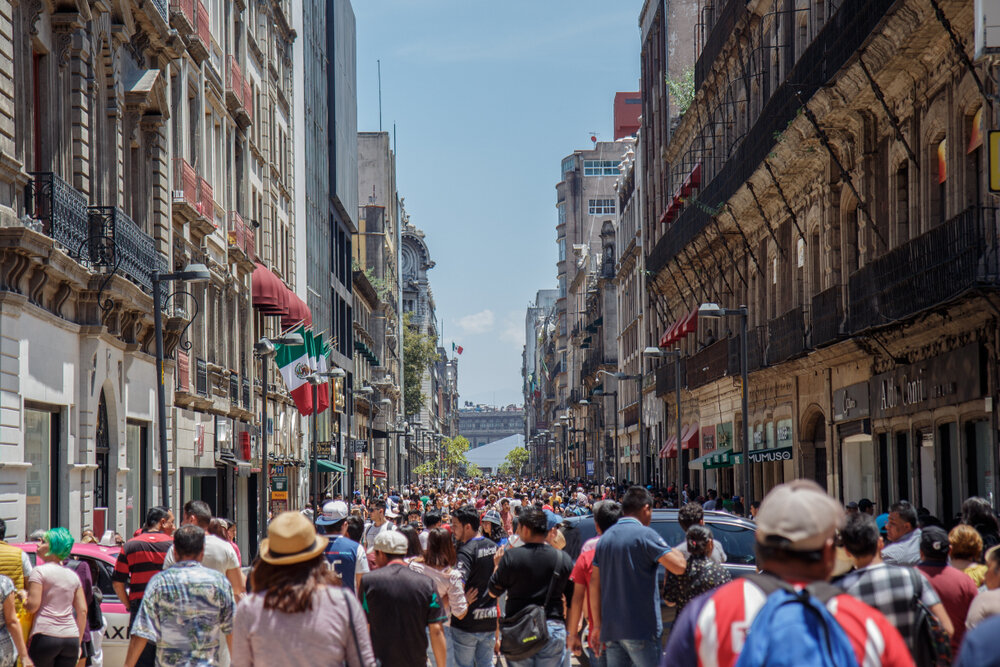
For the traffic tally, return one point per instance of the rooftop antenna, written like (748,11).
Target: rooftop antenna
(379,63)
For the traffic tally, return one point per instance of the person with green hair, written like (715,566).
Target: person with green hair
(56,598)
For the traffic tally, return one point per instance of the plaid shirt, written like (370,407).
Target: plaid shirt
(186,612)
(890,589)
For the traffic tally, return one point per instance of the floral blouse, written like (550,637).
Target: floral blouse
(701,575)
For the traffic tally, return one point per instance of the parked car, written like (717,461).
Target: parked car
(102,560)
(735,535)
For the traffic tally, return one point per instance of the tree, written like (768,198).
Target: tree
(453,454)
(514,462)
(419,353)
(472,470)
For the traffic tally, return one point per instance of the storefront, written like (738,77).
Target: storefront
(716,460)
(934,433)
(770,456)
(853,431)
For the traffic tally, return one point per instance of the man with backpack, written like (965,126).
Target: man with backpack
(788,615)
(891,589)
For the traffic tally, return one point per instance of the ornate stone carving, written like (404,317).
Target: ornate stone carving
(32,10)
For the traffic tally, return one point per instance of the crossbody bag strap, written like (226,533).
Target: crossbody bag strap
(354,633)
(552,582)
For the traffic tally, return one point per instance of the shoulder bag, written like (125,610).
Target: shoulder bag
(526,633)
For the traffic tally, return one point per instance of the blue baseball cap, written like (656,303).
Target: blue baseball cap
(553,519)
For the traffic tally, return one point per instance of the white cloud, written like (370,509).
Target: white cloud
(477,323)
(512,330)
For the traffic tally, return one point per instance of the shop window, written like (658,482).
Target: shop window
(980,466)
(41,450)
(102,448)
(136,480)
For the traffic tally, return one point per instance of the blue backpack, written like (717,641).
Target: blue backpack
(795,629)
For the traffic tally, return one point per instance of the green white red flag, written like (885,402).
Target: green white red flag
(294,364)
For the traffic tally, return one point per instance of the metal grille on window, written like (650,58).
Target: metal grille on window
(102,447)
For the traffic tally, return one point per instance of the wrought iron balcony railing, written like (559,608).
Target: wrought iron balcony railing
(161,7)
(718,34)
(61,210)
(786,336)
(241,235)
(931,269)
(182,12)
(133,252)
(827,315)
(710,363)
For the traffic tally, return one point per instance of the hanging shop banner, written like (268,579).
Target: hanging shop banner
(947,379)
(784,432)
(708,438)
(279,483)
(279,495)
(770,455)
(724,435)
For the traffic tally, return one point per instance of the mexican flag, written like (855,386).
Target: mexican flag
(293,362)
(458,349)
(320,352)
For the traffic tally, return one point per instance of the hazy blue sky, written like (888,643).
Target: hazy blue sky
(487,98)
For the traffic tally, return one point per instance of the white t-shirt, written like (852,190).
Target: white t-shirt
(219,555)
(361,564)
(373,531)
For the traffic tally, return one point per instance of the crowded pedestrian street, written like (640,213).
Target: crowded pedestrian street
(533,333)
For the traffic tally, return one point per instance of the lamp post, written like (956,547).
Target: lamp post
(366,391)
(193,273)
(676,354)
(586,405)
(715,311)
(614,395)
(316,379)
(643,454)
(264,349)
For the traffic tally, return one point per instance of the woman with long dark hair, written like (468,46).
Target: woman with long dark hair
(438,563)
(299,614)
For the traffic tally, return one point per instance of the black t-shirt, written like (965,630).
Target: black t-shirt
(525,573)
(475,562)
(400,604)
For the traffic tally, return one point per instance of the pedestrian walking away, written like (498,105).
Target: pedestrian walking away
(474,636)
(299,614)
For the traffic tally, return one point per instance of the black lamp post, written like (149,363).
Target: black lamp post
(715,311)
(316,379)
(264,349)
(643,454)
(676,354)
(614,395)
(193,273)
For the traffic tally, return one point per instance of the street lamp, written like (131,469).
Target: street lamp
(614,394)
(715,311)
(193,273)
(316,379)
(264,349)
(676,354)
(643,454)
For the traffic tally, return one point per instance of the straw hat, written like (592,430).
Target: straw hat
(291,538)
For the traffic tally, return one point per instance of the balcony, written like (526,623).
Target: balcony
(185,194)
(60,209)
(665,376)
(133,250)
(835,44)
(205,224)
(182,16)
(711,363)
(201,377)
(718,35)
(241,239)
(786,336)
(200,44)
(931,269)
(248,99)
(827,316)
(237,92)
(757,340)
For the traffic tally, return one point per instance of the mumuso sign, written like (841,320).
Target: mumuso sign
(770,455)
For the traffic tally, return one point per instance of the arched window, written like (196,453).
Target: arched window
(102,448)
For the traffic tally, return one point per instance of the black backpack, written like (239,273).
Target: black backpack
(932,646)
(95,618)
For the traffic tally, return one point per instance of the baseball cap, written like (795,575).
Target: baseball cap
(391,542)
(934,543)
(333,511)
(493,517)
(553,519)
(798,516)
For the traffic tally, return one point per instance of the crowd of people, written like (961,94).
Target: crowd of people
(457,575)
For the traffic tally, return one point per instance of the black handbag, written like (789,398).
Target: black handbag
(526,633)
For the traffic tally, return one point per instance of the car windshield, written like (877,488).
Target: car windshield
(735,540)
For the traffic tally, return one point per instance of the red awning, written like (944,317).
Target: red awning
(374,473)
(298,312)
(679,329)
(689,438)
(270,296)
(669,449)
(690,324)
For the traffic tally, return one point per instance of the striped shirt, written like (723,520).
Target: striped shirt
(139,560)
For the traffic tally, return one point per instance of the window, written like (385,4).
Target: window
(561,213)
(568,165)
(562,286)
(562,249)
(137,462)
(601,167)
(41,450)
(601,206)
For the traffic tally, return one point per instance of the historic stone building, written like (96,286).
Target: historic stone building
(830,175)
(140,137)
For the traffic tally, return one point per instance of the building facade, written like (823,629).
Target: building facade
(871,325)
(483,424)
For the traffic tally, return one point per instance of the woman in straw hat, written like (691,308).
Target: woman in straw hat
(299,614)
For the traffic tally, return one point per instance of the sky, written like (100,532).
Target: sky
(487,98)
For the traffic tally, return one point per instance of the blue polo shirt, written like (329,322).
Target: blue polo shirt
(627,555)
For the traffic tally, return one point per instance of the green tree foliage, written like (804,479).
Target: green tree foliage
(419,352)
(514,462)
(682,90)
(449,461)
(473,471)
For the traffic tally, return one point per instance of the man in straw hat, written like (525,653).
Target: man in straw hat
(401,605)
(186,609)
(796,527)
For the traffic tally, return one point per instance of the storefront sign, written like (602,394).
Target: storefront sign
(851,402)
(724,435)
(948,379)
(279,506)
(708,438)
(323,450)
(784,430)
(279,495)
(758,436)
(279,483)
(359,446)
(770,455)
